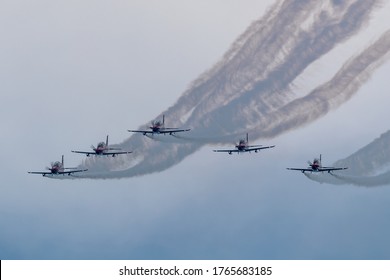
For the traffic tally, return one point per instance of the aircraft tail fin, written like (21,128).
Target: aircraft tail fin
(62,160)
(107,141)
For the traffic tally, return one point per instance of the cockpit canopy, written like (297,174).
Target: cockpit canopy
(101,145)
(156,123)
(316,161)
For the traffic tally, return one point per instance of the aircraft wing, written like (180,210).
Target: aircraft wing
(115,153)
(301,169)
(81,152)
(329,169)
(161,131)
(172,130)
(72,171)
(226,151)
(102,154)
(41,173)
(251,148)
(257,148)
(321,169)
(141,131)
(44,173)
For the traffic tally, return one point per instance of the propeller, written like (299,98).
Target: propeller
(157,123)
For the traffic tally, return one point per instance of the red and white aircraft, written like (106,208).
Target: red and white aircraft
(316,166)
(102,149)
(243,146)
(158,127)
(57,168)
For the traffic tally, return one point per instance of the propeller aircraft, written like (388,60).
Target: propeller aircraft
(158,127)
(243,146)
(316,166)
(57,168)
(102,149)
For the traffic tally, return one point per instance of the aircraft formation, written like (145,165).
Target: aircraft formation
(103,149)
(158,127)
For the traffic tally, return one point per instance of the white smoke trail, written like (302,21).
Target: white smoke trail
(366,181)
(353,74)
(368,167)
(343,179)
(249,90)
(321,178)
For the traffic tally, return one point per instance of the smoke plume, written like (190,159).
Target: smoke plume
(368,167)
(251,88)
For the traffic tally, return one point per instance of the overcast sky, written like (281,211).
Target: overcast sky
(72,72)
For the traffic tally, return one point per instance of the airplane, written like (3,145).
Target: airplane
(57,168)
(243,146)
(102,149)
(316,166)
(158,127)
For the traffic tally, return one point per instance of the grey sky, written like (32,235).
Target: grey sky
(73,72)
